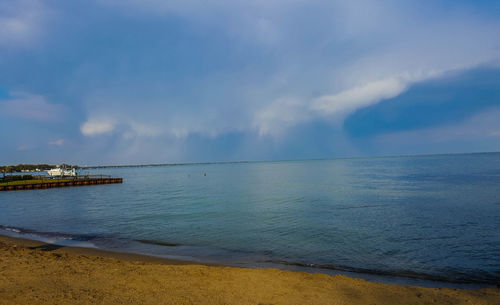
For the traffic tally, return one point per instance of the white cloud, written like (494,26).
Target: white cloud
(279,115)
(119,125)
(364,95)
(135,129)
(360,96)
(32,107)
(97,127)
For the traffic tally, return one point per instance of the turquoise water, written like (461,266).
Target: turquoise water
(433,218)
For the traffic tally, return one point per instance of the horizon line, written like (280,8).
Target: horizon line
(283,160)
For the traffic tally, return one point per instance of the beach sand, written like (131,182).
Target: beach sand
(35,273)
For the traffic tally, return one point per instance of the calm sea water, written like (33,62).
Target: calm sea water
(434,218)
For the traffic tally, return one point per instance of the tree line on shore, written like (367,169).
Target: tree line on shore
(32,167)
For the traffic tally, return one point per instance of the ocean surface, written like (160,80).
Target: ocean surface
(425,220)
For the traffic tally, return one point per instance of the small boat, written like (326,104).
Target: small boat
(60,172)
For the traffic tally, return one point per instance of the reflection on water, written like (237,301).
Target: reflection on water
(433,217)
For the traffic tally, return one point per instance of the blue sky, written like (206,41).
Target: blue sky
(126,82)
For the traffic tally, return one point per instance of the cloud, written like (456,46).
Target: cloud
(281,114)
(349,56)
(135,129)
(25,147)
(119,125)
(359,96)
(58,142)
(402,48)
(20,22)
(478,133)
(171,72)
(31,107)
(494,133)
(97,127)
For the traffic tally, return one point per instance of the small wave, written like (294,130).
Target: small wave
(158,243)
(247,258)
(56,235)
(13,230)
(486,279)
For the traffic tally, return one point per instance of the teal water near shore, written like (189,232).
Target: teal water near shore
(433,218)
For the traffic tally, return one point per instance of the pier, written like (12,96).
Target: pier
(52,183)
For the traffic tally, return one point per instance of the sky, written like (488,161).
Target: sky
(94,82)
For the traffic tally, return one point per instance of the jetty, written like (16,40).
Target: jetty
(44,182)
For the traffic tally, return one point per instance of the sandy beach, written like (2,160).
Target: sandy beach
(32,272)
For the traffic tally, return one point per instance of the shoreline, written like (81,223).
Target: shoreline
(134,255)
(125,256)
(39,273)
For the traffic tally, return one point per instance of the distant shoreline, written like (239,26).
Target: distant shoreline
(283,160)
(236,162)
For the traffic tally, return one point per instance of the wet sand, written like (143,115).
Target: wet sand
(32,272)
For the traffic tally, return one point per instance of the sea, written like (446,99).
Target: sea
(432,221)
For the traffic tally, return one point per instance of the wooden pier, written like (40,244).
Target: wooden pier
(50,184)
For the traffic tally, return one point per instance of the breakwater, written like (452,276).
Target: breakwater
(52,184)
